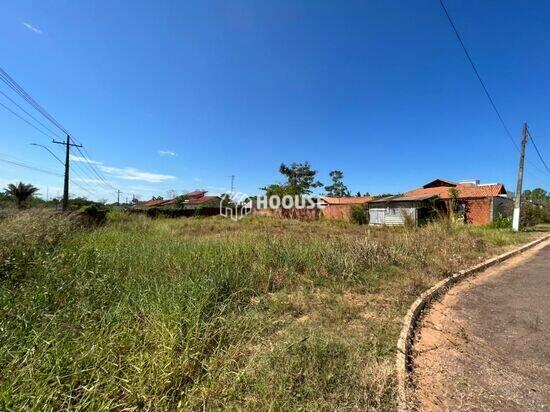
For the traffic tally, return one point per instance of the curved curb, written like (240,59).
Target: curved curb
(410,321)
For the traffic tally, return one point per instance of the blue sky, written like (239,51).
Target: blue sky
(378,89)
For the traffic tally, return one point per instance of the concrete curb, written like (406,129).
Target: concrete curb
(410,321)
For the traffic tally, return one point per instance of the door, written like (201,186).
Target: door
(376,216)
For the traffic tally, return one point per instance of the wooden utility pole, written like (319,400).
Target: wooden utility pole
(68,145)
(517,204)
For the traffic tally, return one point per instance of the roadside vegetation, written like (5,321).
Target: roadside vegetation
(207,313)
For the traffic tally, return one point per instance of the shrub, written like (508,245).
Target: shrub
(359,214)
(532,215)
(91,215)
(501,222)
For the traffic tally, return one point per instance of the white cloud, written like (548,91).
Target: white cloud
(32,28)
(129,173)
(196,179)
(81,159)
(167,153)
(125,173)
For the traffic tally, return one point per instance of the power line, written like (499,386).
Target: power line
(7,79)
(94,169)
(478,76)
(82,188)
(538,152)
(25,120)
(27,166)
(491,101)
(49,172)
(28,114)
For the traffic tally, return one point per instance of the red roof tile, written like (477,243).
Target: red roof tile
(464,191)
(201,200)
(150,203)
(195,193)
(346,200)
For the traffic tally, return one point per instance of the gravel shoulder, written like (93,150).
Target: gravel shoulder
(486,344)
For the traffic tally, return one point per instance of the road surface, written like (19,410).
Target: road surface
(486,345)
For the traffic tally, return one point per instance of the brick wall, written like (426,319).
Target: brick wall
(300,214)
(479,211)
(342,212)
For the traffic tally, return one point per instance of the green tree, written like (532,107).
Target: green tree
(337,188)
(537,195)
(21,192)
(300,180)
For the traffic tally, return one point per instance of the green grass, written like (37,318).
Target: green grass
(209,313)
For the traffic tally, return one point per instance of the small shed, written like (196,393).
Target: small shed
(396,210)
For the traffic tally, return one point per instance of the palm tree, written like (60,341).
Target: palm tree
(21,192)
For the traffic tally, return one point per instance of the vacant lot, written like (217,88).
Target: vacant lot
(209,313)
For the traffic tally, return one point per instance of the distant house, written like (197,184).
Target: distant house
(189,204)
(481,203)
(340,207)
(154,202)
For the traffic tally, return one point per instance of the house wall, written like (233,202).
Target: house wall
(393,214)
(342,212)
(376,215)
(479,211)
(396,215)
(300,214)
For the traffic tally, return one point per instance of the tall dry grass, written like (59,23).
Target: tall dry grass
(209,313)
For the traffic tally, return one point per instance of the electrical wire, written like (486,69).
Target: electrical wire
(27,166)
(491,101)
(28,114)
(537,150)
(8,80)
(478,75)
(25,120)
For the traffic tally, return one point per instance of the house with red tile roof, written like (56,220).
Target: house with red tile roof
(192,202)
(480,203)
(154,202)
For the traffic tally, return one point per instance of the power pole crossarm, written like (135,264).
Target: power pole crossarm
(68,145)
(517,203)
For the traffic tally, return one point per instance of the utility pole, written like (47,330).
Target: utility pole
(232,183)
(517,204)
(68,145)
(118,197)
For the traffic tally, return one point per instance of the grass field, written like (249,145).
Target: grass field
(209,313)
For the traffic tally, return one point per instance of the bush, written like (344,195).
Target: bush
(501,222)
(359,214)
(91,215)
(532,215)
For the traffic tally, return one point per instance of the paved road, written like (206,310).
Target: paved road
(486,345)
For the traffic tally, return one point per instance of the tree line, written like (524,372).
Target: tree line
(301,180)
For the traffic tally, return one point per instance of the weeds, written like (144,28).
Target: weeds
(209,313)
